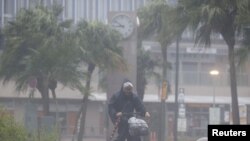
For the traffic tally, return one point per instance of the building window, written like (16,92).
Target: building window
(49,3)
(243,79)
(8,11)
(139,3)
(121,5)
(189,70)
(1,12)
(89,9)
(205,77)
(127,5)
(69,9)
(114,4)
(9,6)
(104,11)
(80,9)
(101,6)
(133,5)
(95,9)
(33,3)
(21,4)
(108,5)
(58,2)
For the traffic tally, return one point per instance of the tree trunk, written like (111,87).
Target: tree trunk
(82,118)
(43,88)
(76,123)
(164,62)
(45,101)
(91,68)
(233,84)
(163,104)
(230,40)
(141,82)
(1,40)
(52,87)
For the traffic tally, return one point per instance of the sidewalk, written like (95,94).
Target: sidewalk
(84,139)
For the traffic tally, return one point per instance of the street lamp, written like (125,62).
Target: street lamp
(214,73)
(137,21)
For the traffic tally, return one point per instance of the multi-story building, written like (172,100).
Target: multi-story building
(73,9)
(201,89)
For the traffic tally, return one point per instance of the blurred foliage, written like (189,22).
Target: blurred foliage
(44,135)
(40,47)
(98,45)
(9,129)
(227,18)
(157,23)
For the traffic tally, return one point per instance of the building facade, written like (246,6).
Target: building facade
(89,10)
(199,86)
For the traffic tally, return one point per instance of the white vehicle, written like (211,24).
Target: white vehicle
(202,139)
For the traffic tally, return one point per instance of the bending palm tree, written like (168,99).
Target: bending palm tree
(37,47)
(207,17)
(98,44)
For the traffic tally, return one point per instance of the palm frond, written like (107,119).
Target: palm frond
(38,45)
(99,45)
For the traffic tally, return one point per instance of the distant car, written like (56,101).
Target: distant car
(202,139)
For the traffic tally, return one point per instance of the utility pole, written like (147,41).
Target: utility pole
(175,133)
(163,111)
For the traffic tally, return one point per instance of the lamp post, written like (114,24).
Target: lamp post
(175,132)
(163,111)
(214,73)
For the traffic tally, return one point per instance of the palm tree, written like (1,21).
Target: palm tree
(145,69)
(221,17)
(1,39)
(243,52)
(145,64)
(99,48)
(41,48)
(156,22)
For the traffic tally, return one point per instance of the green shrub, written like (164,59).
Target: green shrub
(9,129)
(12,131)
(44,135)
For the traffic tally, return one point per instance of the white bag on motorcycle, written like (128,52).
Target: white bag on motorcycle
(138,127)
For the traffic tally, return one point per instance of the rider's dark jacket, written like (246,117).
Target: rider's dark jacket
(120,102)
